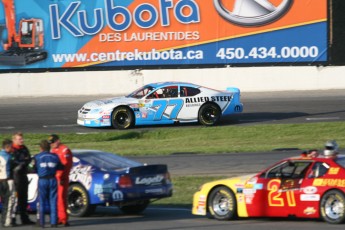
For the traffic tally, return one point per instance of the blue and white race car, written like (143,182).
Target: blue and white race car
(100,178)
(162,103)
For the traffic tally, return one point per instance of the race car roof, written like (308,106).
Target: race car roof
(163,84)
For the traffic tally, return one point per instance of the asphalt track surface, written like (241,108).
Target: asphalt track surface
(169,218)
(47,115)
(59,114)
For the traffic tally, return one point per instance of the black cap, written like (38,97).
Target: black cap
(53,138)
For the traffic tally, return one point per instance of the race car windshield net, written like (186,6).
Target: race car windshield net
(141,92)
(107,161)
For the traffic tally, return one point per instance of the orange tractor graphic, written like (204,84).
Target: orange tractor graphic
(26,46)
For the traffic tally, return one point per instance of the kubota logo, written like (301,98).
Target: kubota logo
(252,12)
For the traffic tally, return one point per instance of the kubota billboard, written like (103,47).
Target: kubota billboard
(156,33)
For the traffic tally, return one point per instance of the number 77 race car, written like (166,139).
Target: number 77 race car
(162,103)
(300,187)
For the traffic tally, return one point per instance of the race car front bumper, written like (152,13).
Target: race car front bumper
(102,121)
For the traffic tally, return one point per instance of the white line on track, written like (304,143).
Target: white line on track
(322,118)
(59,126)
(7,127)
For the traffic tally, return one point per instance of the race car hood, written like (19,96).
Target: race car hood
(110,102)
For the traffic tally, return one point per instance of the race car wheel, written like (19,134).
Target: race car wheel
(122,118)
(209,114)
(136,208)
(332,207)
(78,201)
(222,204)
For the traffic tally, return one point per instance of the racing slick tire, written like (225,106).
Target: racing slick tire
(332,207)
(209,114)
(136,208)
(78,201)
(122,118)
(222,204)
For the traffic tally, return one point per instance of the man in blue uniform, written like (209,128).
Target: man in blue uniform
(46,164)
(7,191)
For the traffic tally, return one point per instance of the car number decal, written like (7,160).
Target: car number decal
(162,106)
(275,195)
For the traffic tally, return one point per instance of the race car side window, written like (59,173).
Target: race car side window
(318,170)
(289,169)
(186,91)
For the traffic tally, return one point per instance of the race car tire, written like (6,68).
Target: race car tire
(122,118)
(209,114)
(222,203)
(332,207)
(136,208)
(78,201)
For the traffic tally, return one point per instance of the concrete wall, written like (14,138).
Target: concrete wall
(248,79)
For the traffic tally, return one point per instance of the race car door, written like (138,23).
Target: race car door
(280,189)
(165,105)
(192,103)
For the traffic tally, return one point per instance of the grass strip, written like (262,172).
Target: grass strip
(200,139)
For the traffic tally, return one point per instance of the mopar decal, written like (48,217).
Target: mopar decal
(117,195)
(149,180)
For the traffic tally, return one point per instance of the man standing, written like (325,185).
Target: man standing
(46,164)
(22,157)
(7,192)
(62,176)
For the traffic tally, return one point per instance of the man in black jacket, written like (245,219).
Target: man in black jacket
(22,158)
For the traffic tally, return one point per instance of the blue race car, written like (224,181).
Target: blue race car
(100,178)
(162,104)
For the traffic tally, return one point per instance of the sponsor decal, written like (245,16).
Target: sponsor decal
(149,180)
(202,198)
(106,116)
(206,99)
(248,191)
(310,190)
(249,186)
(258,186)
(249,198)
(240,198)
(239,190)
(117,195)
(333,171)
(201,207)
(155,190)
(135,106)
(102,188)
(310,197)
(239,185)
(144,115)
(329,182)
(309,211)
(137,115)
(82,174)
(193,105)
